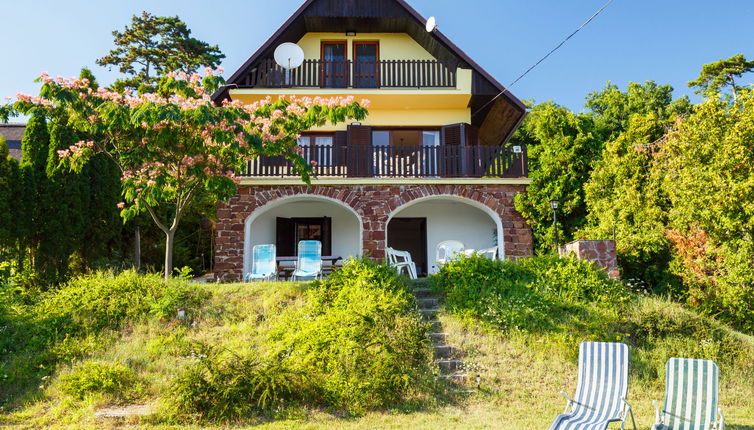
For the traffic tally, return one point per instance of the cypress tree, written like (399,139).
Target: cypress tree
(34,201)
(8,181)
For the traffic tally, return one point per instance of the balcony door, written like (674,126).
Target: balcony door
(366,56)
(333,68)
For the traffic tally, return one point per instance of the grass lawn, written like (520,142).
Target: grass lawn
(520,374)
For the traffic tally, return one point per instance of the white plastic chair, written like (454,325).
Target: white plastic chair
(490,253)
(263,264)
(402,260)
(447,250)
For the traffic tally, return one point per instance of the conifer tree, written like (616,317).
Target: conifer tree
(8,180)
(35,199)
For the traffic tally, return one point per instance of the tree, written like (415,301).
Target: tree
(562,148)
(707,163)
(155,45)
(35,200)
(722,73)
(8,182)
(175,143)
(623,191)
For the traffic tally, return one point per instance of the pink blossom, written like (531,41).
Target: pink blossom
(121,205)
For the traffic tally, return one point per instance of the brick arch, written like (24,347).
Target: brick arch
(373,204)
(480,205)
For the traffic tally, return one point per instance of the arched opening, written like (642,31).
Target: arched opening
(287,220)
(420,225)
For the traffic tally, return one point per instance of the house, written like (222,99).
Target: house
(430,162)
(13,133)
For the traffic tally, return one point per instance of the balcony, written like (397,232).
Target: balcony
(367,161)
(355,74)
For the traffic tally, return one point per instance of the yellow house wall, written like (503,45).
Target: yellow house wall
(402,118)
(393,46)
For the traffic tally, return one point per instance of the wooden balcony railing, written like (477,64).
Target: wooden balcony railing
(445,161)
(355,74)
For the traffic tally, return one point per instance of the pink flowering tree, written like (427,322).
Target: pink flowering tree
(175,143)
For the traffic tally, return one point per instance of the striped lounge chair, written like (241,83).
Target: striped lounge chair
(309,262)
(601,391)
(263,264)
(690,396)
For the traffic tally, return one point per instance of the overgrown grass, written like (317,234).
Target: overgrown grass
(321,349)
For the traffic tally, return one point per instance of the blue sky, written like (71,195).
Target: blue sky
(633,40)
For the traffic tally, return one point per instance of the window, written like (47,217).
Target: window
(431,138)
(333,68)
(317,147)
(366,57)
(290,231)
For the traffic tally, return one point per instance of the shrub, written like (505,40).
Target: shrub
(98,377)
(532,294)
(224,386)
(105,300)
(359,337)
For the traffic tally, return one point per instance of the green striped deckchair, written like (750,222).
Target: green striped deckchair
(601,391)
(690,396)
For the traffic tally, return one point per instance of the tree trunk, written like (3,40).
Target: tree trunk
(137,249)
(169,253)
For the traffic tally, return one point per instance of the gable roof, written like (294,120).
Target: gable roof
(13,134)
(387,16)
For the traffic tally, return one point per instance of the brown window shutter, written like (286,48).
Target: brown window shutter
(340,144)
(451,134)
(326,236)
(359,162)
(285,236)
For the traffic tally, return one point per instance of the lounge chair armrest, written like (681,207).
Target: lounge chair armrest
(658,418)
(627,410)
(720,425)
(569,401)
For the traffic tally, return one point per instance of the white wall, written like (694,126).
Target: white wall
(450,220)
(346,240)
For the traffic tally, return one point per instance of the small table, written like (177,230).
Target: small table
(287,270)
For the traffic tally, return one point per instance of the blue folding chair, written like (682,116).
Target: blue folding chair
(601,390)
(309,262)
(263,264)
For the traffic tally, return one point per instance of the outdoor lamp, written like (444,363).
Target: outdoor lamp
(554,203)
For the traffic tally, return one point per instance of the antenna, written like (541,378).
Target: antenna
(431,24)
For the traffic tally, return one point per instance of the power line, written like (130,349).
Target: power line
(548,54)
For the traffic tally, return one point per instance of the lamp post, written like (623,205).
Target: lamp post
(554,203)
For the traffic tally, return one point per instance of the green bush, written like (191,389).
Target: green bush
(359,338)
(98,377)
(534,294)
(78,318)
(225,386)
(105,300)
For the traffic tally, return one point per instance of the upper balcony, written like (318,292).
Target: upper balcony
(373,74)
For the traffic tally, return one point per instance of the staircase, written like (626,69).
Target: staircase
(446,356)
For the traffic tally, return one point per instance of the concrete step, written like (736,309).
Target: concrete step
(428,302)
(456,377)
(448,366)
(423,292)
(429,313)
(438,338)
(444,351)
(435,326)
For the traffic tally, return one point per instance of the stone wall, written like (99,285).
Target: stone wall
(374,204)
(600,252)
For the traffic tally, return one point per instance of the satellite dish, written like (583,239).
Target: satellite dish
(289,55)
(431,24)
